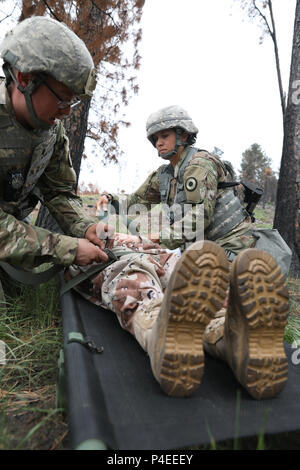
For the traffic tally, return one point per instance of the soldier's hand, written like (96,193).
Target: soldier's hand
(88,252)
(101,234)
(123,238)
(154,237)
(102,203)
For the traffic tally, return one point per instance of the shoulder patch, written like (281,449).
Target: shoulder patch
(191,184)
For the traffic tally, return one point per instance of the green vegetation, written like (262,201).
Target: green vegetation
(264,217)
(31,331)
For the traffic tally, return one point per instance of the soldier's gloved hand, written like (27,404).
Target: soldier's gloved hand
(101,234)
(88,252)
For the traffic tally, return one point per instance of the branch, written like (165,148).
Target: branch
(51,11)
(9,15)
(263,17)
(105,13)
(282,97)
(272,33)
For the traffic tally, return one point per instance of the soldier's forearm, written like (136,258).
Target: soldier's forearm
(70,215)
(28,246)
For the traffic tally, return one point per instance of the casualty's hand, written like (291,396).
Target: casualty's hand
(101,234)
(88,252)
(154,237)
(123,238)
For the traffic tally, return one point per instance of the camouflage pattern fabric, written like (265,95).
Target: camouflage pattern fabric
(21,244)
(134,282)
(208,171)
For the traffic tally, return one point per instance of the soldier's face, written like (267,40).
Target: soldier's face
(165,141)
(46,101)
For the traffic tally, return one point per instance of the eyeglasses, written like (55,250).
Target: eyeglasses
(61,104)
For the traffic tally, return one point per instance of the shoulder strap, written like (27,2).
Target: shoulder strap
(30,277)
(90,272)
(164,177)
(191,152)
(228,184)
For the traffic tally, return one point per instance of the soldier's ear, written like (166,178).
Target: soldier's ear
(24,78)
(184,136)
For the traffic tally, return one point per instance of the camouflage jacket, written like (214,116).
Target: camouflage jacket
(35,165)
(201,177)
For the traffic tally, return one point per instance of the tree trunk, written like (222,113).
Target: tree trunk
(76,127)
(287,213)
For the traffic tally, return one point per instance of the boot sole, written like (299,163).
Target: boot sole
(196,291)
(262,298)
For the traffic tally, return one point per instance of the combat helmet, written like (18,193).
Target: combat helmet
(171,117)
(47,47)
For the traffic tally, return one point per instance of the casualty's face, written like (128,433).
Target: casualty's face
(165,141)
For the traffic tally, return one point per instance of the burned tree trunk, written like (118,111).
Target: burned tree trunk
(287,213)
(76,127)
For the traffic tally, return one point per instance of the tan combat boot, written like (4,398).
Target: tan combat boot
(196,291)
(254,325)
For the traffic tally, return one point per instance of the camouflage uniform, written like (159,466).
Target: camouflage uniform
(35,164)
(135,282)
(170,304)
(207,170)
(193,185)
(49,179)
(137,287)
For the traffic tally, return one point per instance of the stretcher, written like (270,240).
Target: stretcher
(112,400)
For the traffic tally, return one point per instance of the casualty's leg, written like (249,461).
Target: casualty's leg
(195,292)
(257,313)
(170,325)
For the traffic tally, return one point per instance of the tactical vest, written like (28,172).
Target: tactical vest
(24,155)
(228,212)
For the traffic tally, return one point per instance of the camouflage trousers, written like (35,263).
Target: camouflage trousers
(132,286)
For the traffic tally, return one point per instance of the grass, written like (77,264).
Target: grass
(32,331)
(264,216)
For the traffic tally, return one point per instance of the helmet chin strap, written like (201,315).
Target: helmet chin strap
(179,143)
(27,92)
(36,122)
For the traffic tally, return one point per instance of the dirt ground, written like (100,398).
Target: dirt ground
(52,435)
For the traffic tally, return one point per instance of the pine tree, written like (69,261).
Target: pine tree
(254,165)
